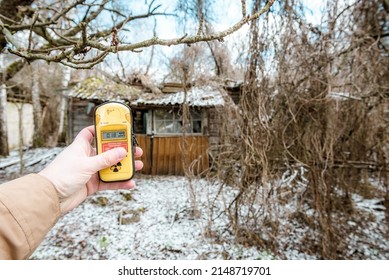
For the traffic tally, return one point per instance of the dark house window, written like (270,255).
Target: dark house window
(170,122)
(140,121)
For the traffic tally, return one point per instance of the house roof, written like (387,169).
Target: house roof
(205,96)
(95,88)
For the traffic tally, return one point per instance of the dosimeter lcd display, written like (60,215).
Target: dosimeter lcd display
(113,124)
(114,135)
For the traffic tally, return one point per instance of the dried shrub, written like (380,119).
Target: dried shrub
(317,111)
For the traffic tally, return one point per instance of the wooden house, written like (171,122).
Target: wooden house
(168,148)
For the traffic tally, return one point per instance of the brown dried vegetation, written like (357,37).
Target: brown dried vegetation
(314,102)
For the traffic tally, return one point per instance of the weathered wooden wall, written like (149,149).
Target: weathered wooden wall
(166,155)
(214,123)
(77,118)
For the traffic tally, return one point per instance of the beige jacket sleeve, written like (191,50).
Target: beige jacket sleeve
(29,208)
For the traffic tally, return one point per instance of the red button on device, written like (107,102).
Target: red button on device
(112,145)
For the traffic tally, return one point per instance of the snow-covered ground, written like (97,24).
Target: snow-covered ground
(161,226)
(156,221)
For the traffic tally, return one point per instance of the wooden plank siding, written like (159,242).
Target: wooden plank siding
(78,119)
(167,155)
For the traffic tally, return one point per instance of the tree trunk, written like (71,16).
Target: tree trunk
(3,112)
(21,138)
(37,109)
(3,121)
(9,9)
(62,112)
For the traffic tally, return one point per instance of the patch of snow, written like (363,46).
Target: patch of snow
(33,160)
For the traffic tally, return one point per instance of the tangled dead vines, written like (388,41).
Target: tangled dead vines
(314,103)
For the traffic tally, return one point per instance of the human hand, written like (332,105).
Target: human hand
(74,171)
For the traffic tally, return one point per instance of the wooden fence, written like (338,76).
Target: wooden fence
(168,155)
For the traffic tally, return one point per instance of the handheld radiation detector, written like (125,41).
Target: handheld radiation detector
(113,128)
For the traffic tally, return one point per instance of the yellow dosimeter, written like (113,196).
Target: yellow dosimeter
(113,125)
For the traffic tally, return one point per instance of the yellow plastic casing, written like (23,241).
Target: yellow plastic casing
(113,126)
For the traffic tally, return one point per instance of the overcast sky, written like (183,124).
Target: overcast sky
(167,28)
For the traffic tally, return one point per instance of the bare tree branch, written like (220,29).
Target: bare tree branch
(71,43)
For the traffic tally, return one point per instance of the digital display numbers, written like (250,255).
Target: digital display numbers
(114,135)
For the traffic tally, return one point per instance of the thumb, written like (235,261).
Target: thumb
(107,159)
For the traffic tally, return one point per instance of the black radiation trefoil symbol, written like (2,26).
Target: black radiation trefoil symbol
(116,167)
